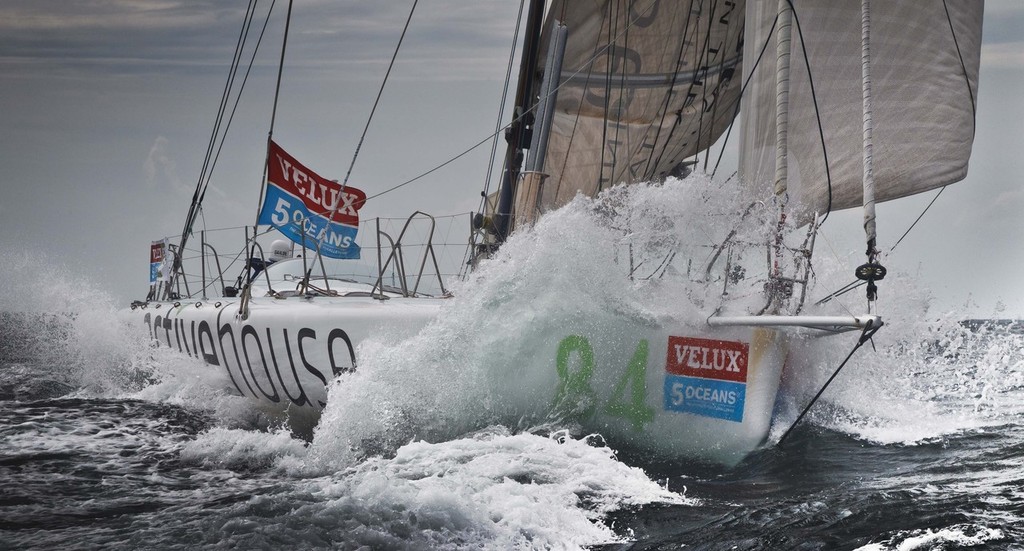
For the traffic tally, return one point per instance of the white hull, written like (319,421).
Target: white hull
(283,354)
(705,392)
(676,392)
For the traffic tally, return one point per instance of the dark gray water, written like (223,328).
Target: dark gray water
(107,443)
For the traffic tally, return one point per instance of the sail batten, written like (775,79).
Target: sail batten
(921,97)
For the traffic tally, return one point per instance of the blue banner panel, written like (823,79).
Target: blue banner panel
(706,397)
(290,216)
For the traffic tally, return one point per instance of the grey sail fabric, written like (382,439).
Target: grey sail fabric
(923,98)
(644,85)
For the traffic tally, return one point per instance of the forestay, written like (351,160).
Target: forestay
(644,85)
(924,72)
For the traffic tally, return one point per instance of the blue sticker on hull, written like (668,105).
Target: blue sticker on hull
(706,397)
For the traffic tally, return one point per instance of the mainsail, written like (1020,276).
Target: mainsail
(643,86)
(924,73)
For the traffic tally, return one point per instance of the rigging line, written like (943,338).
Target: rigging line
(607,98)
(369,119)
(817,112)
(701,62)
(225,98)
(714,108)
(689,89)
(273,110)
(197,196)
(857,283)
(963,67)
(918,218)
(865,336)
(588,63)
(846,289)
(501,107)
(374,110)
(243,304)
(377,101)
(671,87)
(236,57)
(840,261)
(225,95)
(743,90)
(444,164)
(705,56)
(618,143)
(624,35)
(238,99)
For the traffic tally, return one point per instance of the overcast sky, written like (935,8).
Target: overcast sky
(106,107)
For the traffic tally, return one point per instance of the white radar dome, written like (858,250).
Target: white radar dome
(280,249)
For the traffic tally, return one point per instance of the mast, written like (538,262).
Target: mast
(531,181)
(518,134)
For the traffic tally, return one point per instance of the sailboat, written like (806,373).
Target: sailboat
(840,105)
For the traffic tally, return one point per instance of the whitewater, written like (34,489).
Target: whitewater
(109,442)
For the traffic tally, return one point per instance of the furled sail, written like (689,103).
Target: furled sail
(924,73)
(644,84)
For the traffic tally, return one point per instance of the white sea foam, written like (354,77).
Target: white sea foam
(419,447)
(570,274)
(924,376)
(959,535)
(75,335)
(491,489)
(236,449)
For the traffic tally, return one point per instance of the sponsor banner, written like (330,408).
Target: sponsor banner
(705,397)
(708,358)
(157,271)
(298,202)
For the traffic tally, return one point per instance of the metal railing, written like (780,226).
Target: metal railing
(215,271)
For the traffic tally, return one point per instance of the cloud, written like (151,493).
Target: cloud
(327,38)
(42,16)
(125,35)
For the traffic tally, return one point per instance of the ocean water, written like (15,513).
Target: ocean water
(109,443)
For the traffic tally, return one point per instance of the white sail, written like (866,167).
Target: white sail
(644,85)
(924,73)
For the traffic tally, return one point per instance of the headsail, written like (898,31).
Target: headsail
(924,68)
(643,86)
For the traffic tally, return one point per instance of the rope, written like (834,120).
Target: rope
(373,110)
(501,109)
(197,196)
(273,110)
(377,101)
(974,108)
(683,41)
(857,283)
(243,303)
(704,54)
(865,336)
(607,98)
(589,63)
(743,90)
(943,188)
(817,112)
(234,108)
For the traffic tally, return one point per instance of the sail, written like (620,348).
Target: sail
(924,74)
(644,84)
